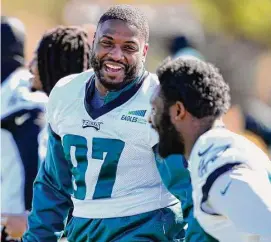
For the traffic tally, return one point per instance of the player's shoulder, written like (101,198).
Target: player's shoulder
(15,82)
(17,96)
(219,147)
(70,87)
(239,144)
(72,81)
(149,84)
(20,77)
(151,80)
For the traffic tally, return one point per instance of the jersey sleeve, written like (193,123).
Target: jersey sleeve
(250,212)
(51,201)
(53,185)
(176,177)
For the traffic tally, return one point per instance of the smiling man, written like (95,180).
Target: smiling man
(100,158)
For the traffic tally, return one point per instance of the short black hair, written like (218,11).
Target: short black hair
(197,84)
(130,15)
(62,51)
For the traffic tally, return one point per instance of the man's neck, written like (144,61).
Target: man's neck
(109,94)
(200,127)
(103,91)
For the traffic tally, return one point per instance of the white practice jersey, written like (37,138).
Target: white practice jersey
(19,108)
(16,96)
(214,157)
(109,148)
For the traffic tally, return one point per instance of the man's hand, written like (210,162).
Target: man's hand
(15,224)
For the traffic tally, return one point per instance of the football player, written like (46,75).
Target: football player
(230,175)
(61,51)
(20,115)
(100,158)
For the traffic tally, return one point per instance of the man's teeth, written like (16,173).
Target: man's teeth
(113,67)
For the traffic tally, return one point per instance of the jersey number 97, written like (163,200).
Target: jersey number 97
(107,176)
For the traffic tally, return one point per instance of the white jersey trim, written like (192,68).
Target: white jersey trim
(119,207)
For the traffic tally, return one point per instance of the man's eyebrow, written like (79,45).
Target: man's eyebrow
(126,42)
(130,42)
(107,36)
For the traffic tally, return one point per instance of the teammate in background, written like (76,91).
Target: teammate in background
(100,155)
(181,46)
(61,51)
(20,127)
(230,175)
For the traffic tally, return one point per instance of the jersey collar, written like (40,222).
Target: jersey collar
(113,99)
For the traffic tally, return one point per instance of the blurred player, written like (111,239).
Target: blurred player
(230,175)
(100,157)
(62,51)
(47,66)
(181,46)
(20,127)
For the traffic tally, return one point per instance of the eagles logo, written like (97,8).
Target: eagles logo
(88,123)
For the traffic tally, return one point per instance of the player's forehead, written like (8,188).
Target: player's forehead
(116,29)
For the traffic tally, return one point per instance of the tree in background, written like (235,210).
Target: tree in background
(249,19)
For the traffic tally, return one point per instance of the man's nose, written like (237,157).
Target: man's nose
(116,53)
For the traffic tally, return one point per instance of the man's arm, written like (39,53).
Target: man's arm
(52,189)
(176,177)
(243,195)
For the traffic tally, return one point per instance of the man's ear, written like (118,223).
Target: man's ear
(145,51)
(178,112)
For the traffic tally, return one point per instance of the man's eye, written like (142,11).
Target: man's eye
(130,48)
(106,43)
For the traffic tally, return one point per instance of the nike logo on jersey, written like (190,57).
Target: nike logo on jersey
(225,189)
(209,156)
(201,153)
(22,119)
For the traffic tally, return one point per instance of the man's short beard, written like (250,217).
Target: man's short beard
(131,72)
(170,141)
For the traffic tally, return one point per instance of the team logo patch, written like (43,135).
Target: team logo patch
(135,116)
(88,123)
